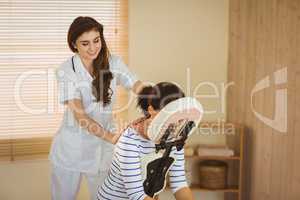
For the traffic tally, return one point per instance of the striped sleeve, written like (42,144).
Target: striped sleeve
(177,173)
(130,166)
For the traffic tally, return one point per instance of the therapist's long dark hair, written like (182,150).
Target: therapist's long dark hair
(101,73)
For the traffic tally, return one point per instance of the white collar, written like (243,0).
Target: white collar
(79,68)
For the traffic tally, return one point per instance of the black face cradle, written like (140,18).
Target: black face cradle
(157,170)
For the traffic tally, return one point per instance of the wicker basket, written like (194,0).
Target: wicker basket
(213,174)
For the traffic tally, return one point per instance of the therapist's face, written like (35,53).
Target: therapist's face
(89,45)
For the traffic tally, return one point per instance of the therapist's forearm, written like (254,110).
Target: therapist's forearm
(88,123)
(99,131)
(95,128)
(137,87)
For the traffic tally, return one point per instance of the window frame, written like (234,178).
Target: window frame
(28,147)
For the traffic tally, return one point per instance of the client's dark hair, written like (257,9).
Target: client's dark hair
(158,96)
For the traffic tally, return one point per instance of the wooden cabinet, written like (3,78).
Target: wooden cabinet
(233,135)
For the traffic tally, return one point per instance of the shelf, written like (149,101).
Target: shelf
(232,189)
(213,157)
(232,136)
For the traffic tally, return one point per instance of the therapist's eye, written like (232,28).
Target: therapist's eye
(85,44)
(96,41)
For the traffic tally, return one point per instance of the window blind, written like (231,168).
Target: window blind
(33,43)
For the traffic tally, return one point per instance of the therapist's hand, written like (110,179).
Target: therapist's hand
(107,135)
(139,125)
(116,138)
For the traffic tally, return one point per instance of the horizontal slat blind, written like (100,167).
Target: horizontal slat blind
(33,42)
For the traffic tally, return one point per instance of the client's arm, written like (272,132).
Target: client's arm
(177,178)
(184,194)
(148,198)
(128,154)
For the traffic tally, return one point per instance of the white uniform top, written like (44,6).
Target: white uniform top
(73,147)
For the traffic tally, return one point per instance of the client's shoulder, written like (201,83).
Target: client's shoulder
(130,136)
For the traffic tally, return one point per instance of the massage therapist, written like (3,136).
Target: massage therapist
(83,145)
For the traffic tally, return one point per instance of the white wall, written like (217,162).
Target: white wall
(166,37)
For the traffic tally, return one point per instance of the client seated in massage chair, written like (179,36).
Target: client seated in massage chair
(130,175)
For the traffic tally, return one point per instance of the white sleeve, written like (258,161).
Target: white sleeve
(124,77)
(67,84)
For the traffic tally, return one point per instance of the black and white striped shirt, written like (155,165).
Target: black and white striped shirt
(125,179)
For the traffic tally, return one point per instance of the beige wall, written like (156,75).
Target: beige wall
(166,37)
(169,37)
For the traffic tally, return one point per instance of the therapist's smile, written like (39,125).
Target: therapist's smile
(93,54)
